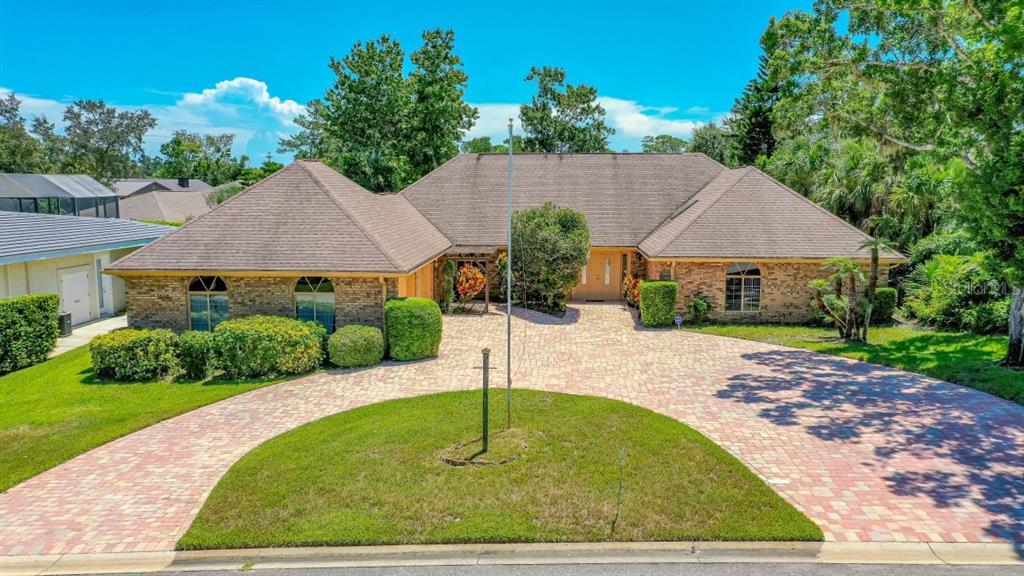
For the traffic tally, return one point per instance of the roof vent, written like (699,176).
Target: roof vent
(182,182)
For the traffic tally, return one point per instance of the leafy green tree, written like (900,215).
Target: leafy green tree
(561,117)
(943,77)
(378,127)
(206,157)
(19,151)
(439,116)
(551,246)
(481,145)
(751,121)
(103,142)
(366,113)
(714,141)
(662,143)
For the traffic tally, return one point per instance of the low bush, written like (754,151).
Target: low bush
(262,346)
(355,345)
(195,354)
(883,306)
(959,292)
(413,328)
(135,354)
(658,302)
(699,307)
(28,330)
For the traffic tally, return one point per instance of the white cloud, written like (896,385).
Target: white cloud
(32,106)
(632,119)
(698,110)
(241,106)
(226,93)
(493,121)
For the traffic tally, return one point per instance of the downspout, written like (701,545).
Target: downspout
(383,300)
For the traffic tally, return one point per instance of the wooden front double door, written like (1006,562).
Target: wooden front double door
(601,279)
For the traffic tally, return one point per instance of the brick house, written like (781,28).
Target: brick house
(310,243)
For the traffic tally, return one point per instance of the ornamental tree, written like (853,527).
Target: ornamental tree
(550,246)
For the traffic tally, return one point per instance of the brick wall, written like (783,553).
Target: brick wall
(157,301)
(785,293)
(162,302)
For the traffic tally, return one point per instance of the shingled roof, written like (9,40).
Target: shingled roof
(744,213)
(668,205)
(623,196)
(304,218)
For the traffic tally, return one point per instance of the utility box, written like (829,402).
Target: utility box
(64,321)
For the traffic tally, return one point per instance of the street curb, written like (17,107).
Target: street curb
(522,554)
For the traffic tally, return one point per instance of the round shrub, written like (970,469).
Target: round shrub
(261,346)
(195,353)
(658,302)
(413,327)
(135,354)
(356,345)
(883,306)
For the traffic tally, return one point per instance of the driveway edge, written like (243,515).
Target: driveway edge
(522,554)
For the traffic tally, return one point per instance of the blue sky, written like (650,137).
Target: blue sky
(249,67)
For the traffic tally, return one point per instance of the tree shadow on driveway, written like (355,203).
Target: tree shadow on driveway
(954,445)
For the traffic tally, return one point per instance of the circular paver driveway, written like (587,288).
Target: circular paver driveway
(868,453)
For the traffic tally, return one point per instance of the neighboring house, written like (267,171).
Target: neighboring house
(309,242)
(69,194)
(66,255)
(167,199)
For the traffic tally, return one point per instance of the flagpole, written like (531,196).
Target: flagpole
(508,291)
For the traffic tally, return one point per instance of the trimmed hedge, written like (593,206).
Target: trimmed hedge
(134,354)
(355,345)
(883,306)
(262,346)
(658,302)
(195,354)
(413,328)
(28,330)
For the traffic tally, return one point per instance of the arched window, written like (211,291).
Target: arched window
(314,300)
(207,302)
(743,288)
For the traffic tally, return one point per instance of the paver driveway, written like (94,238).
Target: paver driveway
(867,452)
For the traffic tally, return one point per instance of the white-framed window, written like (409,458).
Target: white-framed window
(583,274)
(607,270)
(207,302)
(743,288)
(314,300)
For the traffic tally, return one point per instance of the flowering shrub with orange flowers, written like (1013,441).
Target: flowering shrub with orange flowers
(631,290)
(469,284)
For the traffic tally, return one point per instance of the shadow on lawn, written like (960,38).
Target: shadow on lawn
(907,416)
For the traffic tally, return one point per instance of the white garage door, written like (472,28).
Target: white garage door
(75,289)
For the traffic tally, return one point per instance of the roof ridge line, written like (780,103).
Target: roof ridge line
(745,169)
(348,213)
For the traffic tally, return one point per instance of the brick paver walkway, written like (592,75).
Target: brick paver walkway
(867,452)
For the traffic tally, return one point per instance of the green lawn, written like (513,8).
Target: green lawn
(964,358)
(54,411)
(375,475)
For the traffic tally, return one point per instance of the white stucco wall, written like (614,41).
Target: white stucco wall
(43,277)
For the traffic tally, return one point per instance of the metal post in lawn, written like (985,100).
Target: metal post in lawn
(487,405)
(508,292)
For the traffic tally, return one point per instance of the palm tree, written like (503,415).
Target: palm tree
(875,245)
(845,312)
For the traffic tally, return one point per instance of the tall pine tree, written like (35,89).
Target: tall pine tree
(751,122)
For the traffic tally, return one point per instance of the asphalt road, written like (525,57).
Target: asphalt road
(694,569)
